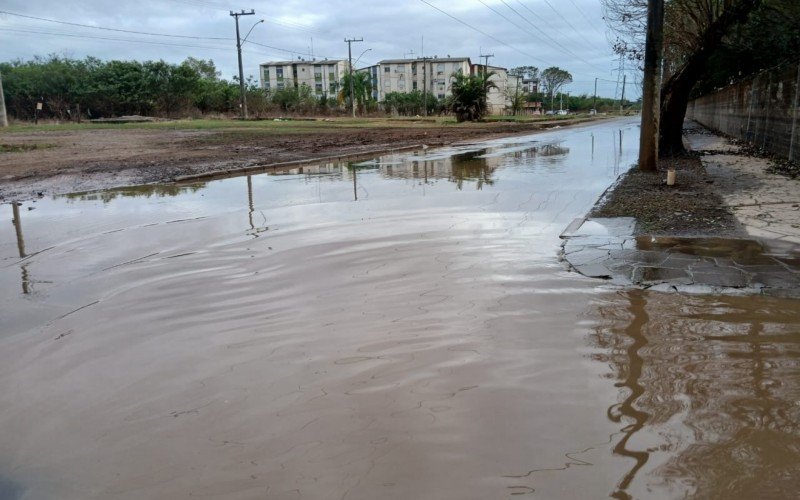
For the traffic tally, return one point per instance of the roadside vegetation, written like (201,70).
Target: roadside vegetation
(71,90)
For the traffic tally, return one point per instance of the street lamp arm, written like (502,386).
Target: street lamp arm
(359,57)
(251,30)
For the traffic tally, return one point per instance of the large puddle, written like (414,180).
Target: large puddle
(396,328)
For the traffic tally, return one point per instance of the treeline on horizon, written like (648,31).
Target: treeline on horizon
(193,88)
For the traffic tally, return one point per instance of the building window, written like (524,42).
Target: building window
(280,86)
(441,96)
(332,88)
(266,74)
(331,76)
(318,88)
(279,74)
(414,85)
(387,69)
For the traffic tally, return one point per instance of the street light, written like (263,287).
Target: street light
(359,57)
(239,43)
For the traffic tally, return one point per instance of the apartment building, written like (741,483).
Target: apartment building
(497,99)
(434,74)
(406,75)
(323,77)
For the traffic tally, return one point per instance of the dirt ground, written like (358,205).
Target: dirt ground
(36,163)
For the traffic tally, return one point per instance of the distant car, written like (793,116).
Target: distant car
(551,112)
(563,112)
(592,111)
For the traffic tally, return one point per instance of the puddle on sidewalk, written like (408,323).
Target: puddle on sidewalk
(394,328)
(604,248)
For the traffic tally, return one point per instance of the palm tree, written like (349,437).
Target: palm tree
(362,89)
(469,102)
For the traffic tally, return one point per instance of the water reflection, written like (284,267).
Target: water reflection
(18,228)
(146,191)
(710,388)
(17,221)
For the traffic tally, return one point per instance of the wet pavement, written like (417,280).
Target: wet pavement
(396,328)
(766,205)
(607,248)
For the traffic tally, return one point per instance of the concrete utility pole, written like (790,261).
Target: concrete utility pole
(242,96)
(486,62)
(594,102)
(3,118)
(651,90)
(425,86)
(622,97)
(349,42)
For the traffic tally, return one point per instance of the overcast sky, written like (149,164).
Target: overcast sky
(569,34)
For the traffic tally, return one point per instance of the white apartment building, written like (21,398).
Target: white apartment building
(434,74)
(323,77)
(505,85)
(406,75)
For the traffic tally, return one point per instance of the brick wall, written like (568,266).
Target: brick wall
(763,110)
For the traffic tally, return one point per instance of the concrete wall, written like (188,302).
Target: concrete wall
(763,110)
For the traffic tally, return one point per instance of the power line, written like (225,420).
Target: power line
(117,39)
(481,31)
(286,24)
(113,29)
(72,35)
(591,23)
(555,42)
(568,23)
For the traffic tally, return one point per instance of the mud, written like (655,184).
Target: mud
(59,162)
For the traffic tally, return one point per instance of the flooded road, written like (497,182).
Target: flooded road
(396,328)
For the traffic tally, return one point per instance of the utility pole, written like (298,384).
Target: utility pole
(594,102)
(349,42)
(622,97)
(3,118)
(651,95)
(425,86)
(242,95)
(486,62)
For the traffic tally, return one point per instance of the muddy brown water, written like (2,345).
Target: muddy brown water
(401,328)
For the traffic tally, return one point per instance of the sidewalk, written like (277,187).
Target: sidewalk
(766,205)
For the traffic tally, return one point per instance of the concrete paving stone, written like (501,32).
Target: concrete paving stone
(623,255)
(594,271)
(647,257)
(679,261)
(762,233)
(587,256)
(617,226)
(776,279)
(722,276)
(571,247)
(647,275)
(792,239)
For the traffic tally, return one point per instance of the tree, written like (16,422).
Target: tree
(518,96)
(410,103)
(553,79)
(525,72)
(362,89)
(468,101)
(694,30)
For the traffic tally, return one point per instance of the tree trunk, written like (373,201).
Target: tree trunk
(676,90)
